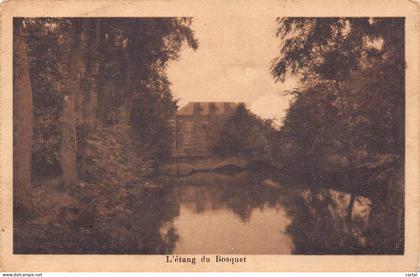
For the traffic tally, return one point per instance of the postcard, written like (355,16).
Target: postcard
(210,135)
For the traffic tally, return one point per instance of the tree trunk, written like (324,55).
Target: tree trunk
(87,97)
(128,86)
(101,81)
(126,110)
(92,103)
(128,91)
(105,112)
(23,122)
(350,207)
(69,116)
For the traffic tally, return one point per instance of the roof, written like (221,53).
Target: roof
(207,108)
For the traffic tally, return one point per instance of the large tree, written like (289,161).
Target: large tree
(352,77)
(243,133)
(346,125)
(76,69)
(98,72)
(22,119)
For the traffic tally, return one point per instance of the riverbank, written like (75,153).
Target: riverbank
(113,171)
(88,218)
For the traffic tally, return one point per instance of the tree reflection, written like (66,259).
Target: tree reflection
(320,226)
(142,220)
(241,193)
(319,223)
(130,222)
(148,214)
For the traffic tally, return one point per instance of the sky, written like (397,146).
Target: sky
(232,63)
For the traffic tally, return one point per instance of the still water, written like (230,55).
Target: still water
(247,214)
(209,213)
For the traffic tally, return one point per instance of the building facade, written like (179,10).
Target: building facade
(195,125)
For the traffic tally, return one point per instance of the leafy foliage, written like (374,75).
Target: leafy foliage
(351,100)
(245,134)
(122,79)
(345,127)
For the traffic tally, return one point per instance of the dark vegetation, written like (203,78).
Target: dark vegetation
(91,109)
(244,133)
(348,114)
(345,127)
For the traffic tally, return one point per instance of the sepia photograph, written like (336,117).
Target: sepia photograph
(209,136)
(183,135)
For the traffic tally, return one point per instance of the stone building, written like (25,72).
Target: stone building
(195,125)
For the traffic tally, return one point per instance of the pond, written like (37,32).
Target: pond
(220,219)
(248,214)
(208,213)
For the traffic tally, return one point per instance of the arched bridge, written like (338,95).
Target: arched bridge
(188,166)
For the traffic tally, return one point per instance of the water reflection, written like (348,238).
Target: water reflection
(213,213)
(248,214)
(230,215)
(245,214)
(320,224)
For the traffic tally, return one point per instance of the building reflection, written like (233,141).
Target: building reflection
(245,213)
(317,221)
